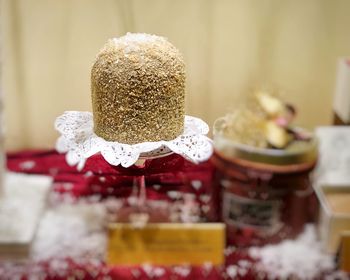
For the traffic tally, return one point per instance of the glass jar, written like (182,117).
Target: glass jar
(265,194)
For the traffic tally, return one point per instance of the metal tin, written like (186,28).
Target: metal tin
(266,194)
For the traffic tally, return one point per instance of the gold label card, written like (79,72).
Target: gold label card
(166,244)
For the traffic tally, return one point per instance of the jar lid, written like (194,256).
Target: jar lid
(297,153)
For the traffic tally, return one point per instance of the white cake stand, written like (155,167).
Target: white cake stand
(79,142)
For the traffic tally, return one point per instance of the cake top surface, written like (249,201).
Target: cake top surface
(138,38)
(140,45)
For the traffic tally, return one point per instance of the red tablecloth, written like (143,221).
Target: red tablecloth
(172,173)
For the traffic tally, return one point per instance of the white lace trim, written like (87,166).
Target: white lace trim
(79,142)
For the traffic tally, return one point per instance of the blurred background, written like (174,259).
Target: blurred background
(230,47)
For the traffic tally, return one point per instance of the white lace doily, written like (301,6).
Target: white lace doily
(79,142)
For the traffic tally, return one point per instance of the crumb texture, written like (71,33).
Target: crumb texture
(138,90)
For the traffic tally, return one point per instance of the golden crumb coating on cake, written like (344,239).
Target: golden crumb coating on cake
(138,90)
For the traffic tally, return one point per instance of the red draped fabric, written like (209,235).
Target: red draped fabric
(98,177)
